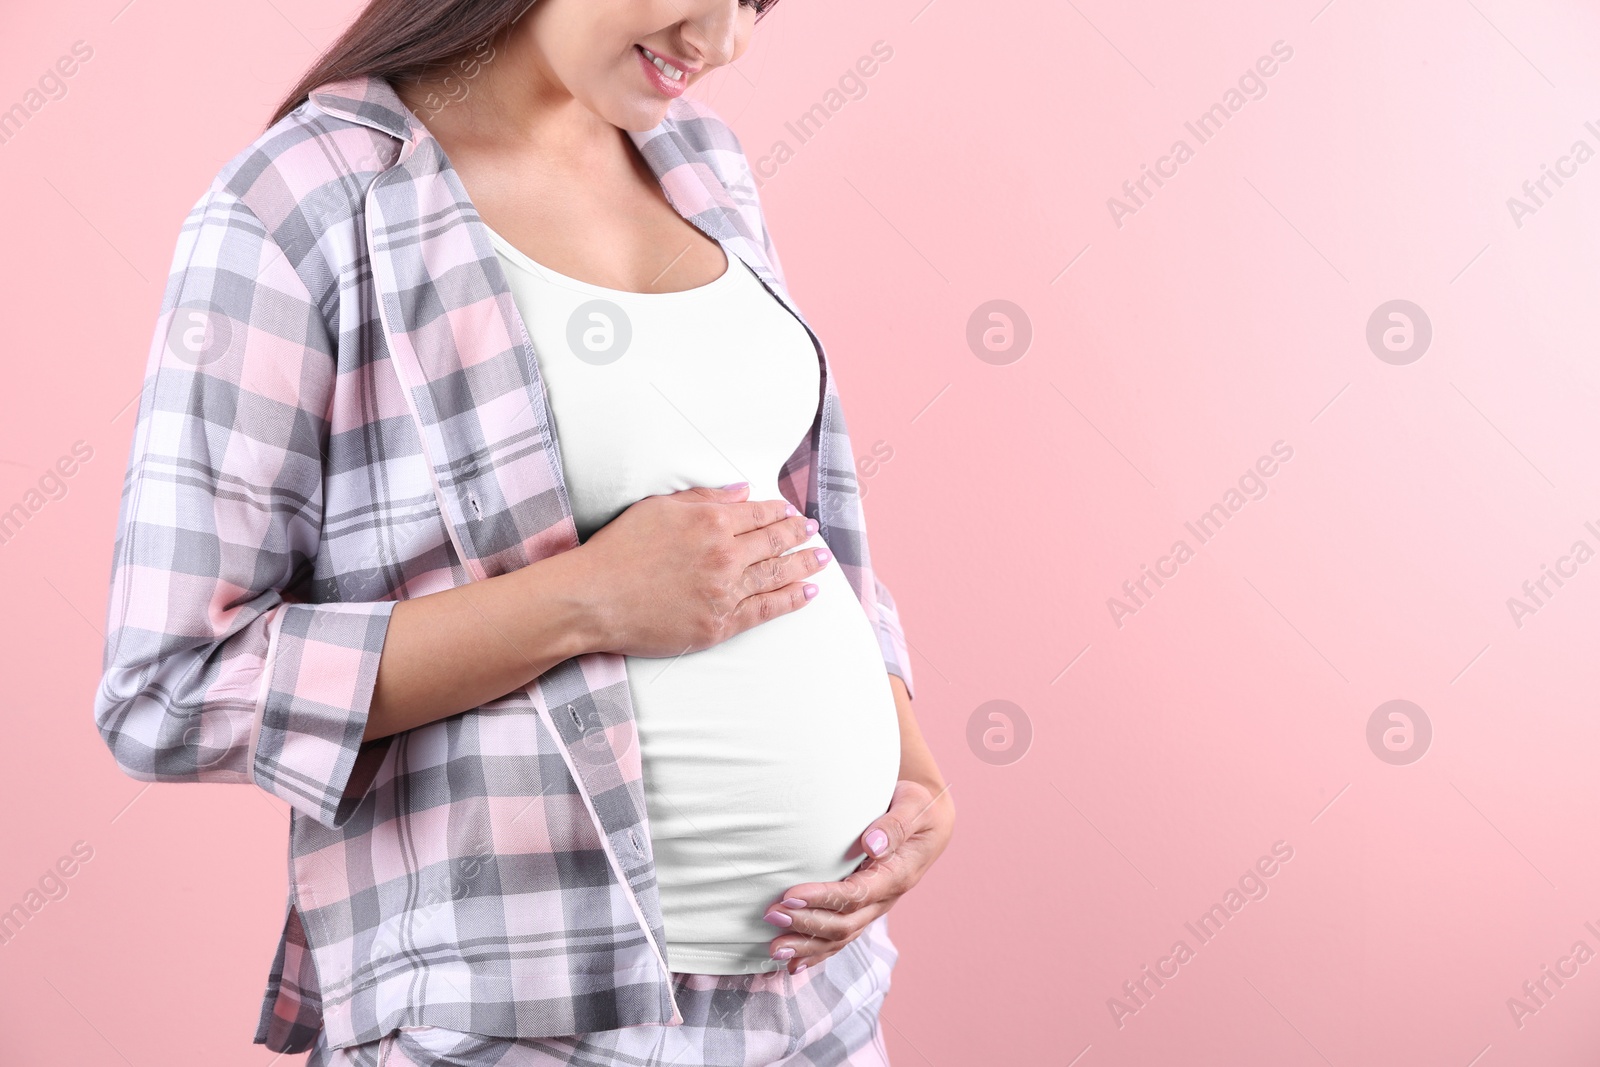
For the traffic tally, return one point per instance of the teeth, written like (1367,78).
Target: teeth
(662,65)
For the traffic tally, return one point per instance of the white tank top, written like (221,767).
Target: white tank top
(766,756)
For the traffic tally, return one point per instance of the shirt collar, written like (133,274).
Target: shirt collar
(370,101)
(677,161)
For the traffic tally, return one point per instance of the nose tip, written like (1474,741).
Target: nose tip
(715,35)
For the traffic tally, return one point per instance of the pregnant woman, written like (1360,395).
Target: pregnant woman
(491,504)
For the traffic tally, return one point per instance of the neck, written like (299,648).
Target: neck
(506,100)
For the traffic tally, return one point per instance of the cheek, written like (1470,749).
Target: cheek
(603,84)
(618,93)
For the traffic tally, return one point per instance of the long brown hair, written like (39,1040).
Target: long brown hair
(403,40)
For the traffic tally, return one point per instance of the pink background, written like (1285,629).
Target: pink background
(1228,313)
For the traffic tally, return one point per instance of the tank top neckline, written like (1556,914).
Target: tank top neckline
(533,267)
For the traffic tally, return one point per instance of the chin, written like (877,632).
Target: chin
(637,118)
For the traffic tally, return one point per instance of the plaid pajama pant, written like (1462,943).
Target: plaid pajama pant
(825,1016)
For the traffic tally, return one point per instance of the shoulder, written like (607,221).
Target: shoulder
(304,161)
(300,187)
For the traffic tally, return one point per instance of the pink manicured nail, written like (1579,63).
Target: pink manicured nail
(811,526)
(799,967)
(778,918)
(877,842)
(809,590)
(789,511)
(823,555)
(783,954)
(793,902)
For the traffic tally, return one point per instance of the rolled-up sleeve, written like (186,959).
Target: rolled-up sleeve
(214,670)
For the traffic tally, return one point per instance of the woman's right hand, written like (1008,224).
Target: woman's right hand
(683,571)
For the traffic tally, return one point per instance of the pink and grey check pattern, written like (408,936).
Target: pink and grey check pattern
(825,1016)
(342,410)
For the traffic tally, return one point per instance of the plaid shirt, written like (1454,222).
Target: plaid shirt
(341,410)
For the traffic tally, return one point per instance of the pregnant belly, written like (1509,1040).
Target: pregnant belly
(764,758)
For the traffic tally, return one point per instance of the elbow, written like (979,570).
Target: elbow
(116,708)
(156,732)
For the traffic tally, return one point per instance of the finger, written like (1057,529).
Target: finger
(755,610)
(888,831)
(741,514)
(751,518)
(865,886)
(821,924)
(734,491)
(786,530)
(778,571)
(806,951)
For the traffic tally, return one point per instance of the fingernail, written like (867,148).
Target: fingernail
(799,967)
(823,555)
(783,954)
(877,842)
(778,918)
(793,902)
(809,590)
(811,526)
(736,485)
(790,511)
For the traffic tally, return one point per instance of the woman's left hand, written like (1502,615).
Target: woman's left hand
(821,918)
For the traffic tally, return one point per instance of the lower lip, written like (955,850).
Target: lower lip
(662,84)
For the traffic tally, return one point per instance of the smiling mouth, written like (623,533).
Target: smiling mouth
(662,65)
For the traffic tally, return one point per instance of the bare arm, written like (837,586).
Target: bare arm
(455,650)
(671,574)
(916,758)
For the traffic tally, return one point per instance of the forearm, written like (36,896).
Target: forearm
(916,759)
(454,650)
